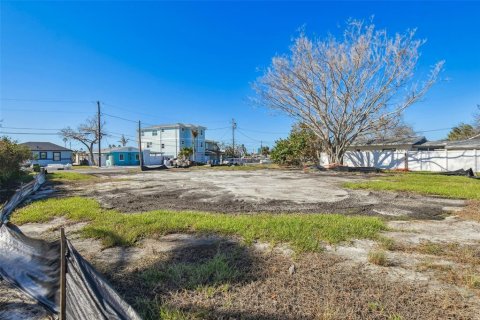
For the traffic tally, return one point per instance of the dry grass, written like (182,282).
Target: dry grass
(471,211)
(378,257)
(451,263)
(323,287)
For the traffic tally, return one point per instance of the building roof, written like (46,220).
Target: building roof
(118,149)
(464,144)
(390,142)
(433,144)
(173,125)
(44,146)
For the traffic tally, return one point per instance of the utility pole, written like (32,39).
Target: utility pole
(99,135)
(140,144)
(234,126)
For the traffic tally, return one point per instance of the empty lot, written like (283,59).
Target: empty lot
(429,266)
(276,191)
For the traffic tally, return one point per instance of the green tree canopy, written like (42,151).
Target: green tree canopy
(461,132)
(301,146)
(11,157)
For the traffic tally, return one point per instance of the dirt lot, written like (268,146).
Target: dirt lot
(432,257)
(255,191)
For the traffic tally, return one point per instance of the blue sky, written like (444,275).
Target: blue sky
(163,62)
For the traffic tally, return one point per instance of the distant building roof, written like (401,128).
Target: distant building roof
(44,146)
(439,144)
(118,149)
(464,144)
(173,125)
(390,142)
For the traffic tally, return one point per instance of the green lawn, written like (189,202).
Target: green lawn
(424,183)
(57,176)
(305,232)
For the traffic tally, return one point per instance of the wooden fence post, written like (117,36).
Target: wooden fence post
(446,159)
(63,271)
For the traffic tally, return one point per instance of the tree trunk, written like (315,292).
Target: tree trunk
(335,155)
(92,158)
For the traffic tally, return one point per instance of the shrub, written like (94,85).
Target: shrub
(11,157)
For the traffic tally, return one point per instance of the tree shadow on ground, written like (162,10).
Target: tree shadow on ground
(206,268)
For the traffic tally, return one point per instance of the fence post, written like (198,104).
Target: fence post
(63,271)
(446,159)
(406,160)
(476,161)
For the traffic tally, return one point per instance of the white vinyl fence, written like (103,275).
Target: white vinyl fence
(441,160)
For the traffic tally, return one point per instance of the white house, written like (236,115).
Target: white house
(45,153)
(169,139)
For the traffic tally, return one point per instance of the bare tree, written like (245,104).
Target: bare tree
(346,88)
(477,118)
(399,130)
(86,133)
(123,140)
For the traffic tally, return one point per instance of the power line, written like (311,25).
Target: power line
(17,128)
(46,111)
(117,117)
(258,131)
(46,100)
(33,133)
(243,134)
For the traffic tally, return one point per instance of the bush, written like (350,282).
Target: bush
(11,157)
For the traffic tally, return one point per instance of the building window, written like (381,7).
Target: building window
(43,155)
(183,129)
(183,142)
(201,132)
(56,156)
(137,157)
(121,157)
(163,130)
(149,144)
(143,133)
(201,144)
(163,145)
(154,133)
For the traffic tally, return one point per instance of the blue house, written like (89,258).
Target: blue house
(121,156)
(45,153)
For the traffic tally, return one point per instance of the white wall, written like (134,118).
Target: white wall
(441,160)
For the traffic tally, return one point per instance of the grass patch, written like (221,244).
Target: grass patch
(378,257)
(424,183)
(432,248)
(305,232)
(194,275)
(152,309)
(58,176)
(79,167)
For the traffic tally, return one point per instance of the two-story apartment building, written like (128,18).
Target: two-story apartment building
(169,139)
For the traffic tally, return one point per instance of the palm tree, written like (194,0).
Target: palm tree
(123,140)
(194,134)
